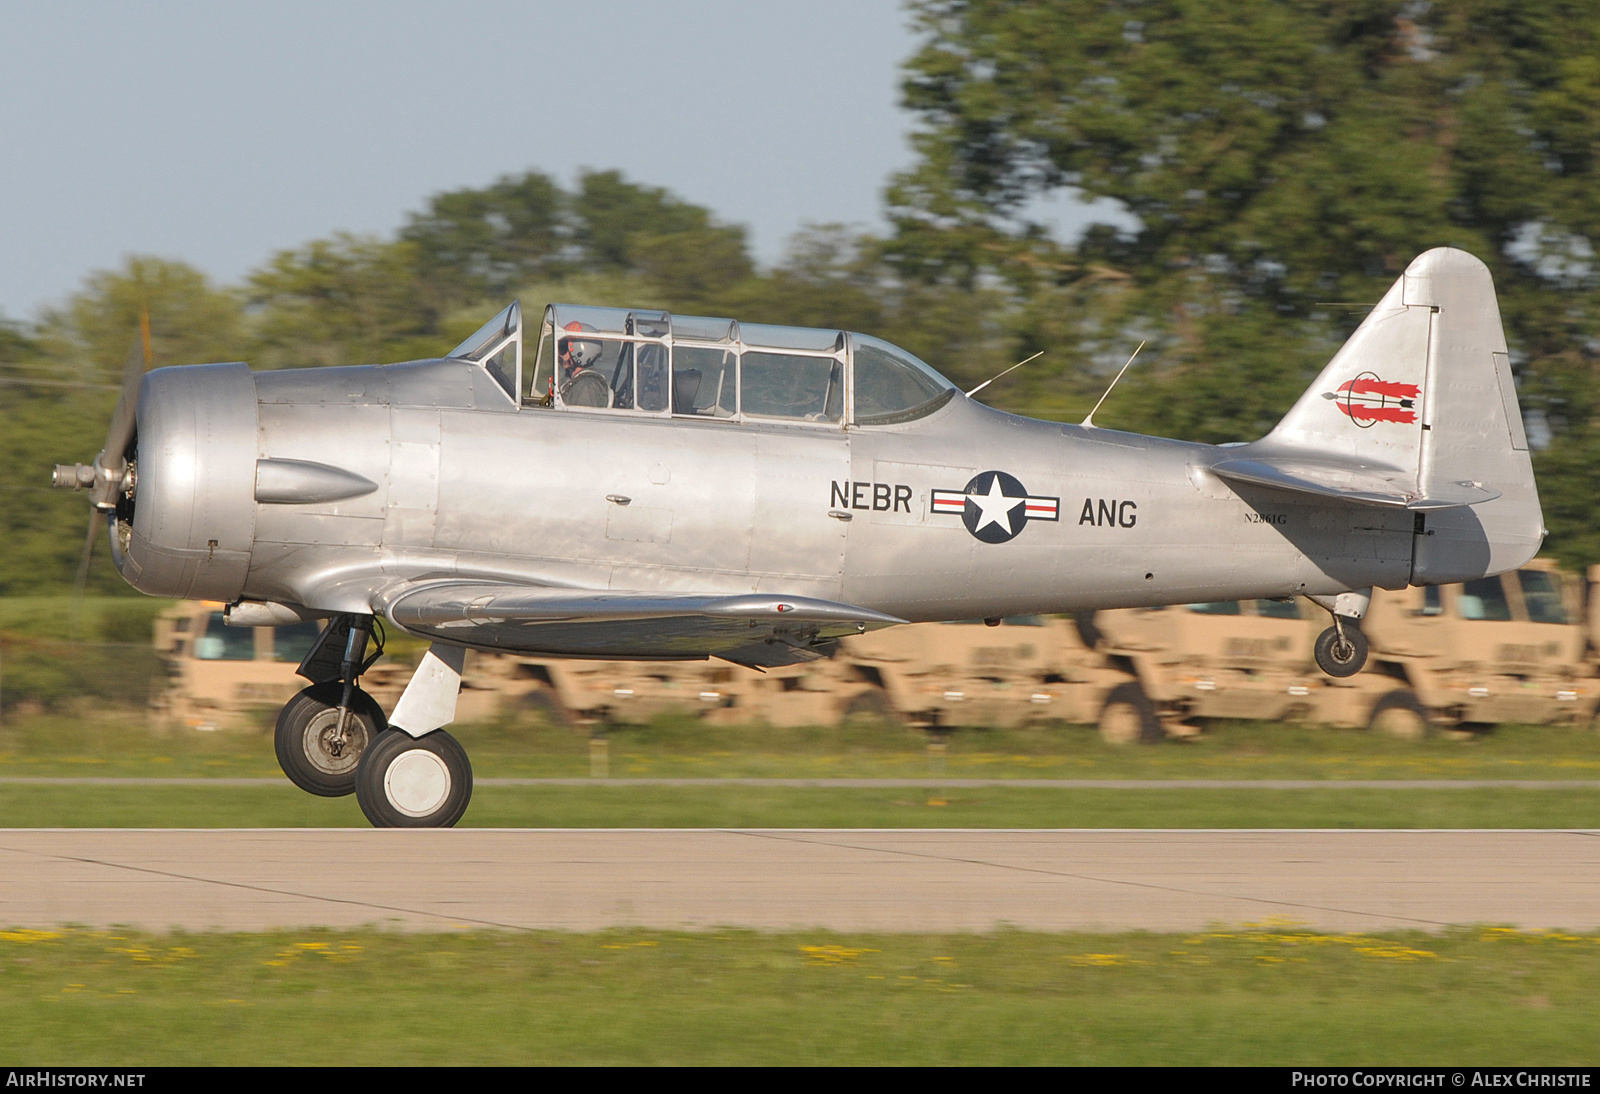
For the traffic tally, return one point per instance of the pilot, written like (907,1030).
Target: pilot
(578,381)
(578,354)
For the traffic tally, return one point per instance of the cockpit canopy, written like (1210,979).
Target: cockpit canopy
(652,363)
(497,346)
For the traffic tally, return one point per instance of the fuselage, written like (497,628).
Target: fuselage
(466,482)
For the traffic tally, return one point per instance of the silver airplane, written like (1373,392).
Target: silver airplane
(664,487)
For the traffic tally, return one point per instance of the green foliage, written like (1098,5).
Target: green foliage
(15,345)
(105,619)
(609,212)
(190,320)
(43,528)
(342,301)
(472,243)
(59,676)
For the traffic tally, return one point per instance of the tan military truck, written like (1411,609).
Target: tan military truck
(1510,648)
(577,692)
(1229,659)
(218,674)
(222,677)
(1024,670)
(219,677)
(1506,648)
(1021,670)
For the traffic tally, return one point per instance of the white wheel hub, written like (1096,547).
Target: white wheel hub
(417,783)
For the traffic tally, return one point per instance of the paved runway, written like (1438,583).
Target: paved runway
(847,880)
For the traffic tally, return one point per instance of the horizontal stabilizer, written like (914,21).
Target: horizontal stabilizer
(754,628)
(1353,483)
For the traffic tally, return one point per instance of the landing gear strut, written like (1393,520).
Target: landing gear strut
(323,731)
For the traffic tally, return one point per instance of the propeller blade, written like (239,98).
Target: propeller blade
(81,582)
(111,462)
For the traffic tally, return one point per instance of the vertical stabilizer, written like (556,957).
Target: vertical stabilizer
(1422,396)
(1366,405)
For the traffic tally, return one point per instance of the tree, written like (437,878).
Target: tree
(15,345)
(190,320)
(350,300)
(474,243)
(1283,159)
(622,227)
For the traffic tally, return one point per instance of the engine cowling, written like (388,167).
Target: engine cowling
(187,527)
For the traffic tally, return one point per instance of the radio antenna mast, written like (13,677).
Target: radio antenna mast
(992,379)
(1088,422)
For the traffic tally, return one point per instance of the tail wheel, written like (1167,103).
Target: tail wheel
(1399,714)
(307,740)
(1129,717)
(414,782)
(1341,655)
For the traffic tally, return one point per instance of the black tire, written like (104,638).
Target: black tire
(1399,714)
(1128,717)
(1089,634)
(414,782)
(542,704)
(302,738)
(869,707)
(1340,659)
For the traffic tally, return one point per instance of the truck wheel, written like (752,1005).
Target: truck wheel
(305,744)
(543,704)
(1341,657)
(870,707)
(1129,717)
(1400,715)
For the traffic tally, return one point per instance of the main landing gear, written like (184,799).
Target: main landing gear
(323,730)
(319,741)
(332,738)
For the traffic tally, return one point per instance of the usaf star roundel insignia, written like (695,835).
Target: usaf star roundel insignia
(995,507)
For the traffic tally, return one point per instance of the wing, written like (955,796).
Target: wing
(755,629)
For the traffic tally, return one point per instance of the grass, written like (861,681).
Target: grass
(121,746)
(1274,995)
(221,806)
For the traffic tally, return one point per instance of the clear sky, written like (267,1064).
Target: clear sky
(218,132)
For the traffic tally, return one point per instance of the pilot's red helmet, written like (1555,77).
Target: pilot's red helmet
(579,353)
